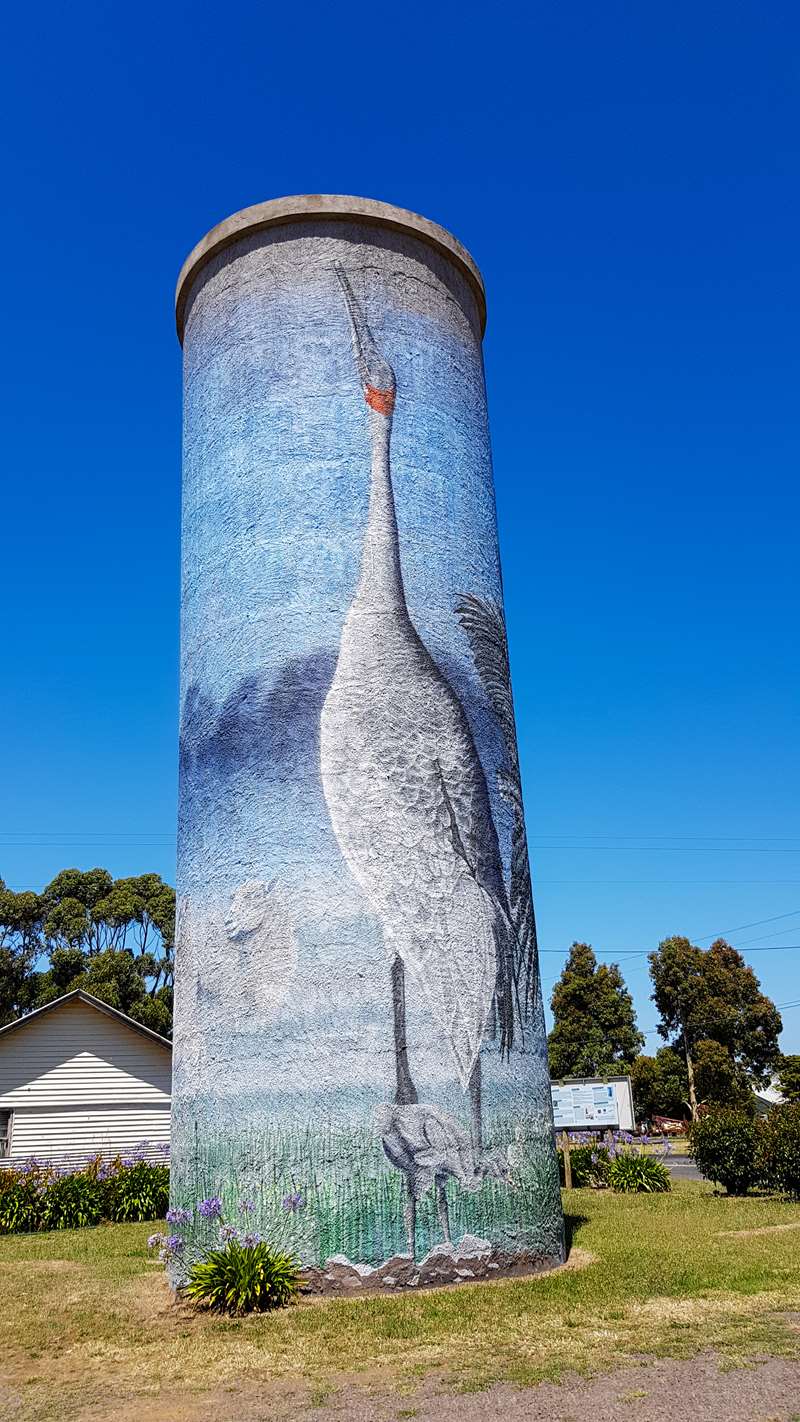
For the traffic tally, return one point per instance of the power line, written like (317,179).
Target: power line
(612,882)
(704,838)
(46,840)
(740,927)
(664,849)
(697,838)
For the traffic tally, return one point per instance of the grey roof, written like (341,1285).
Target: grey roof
(81,996)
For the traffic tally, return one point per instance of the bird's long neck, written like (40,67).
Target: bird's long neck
(380,586)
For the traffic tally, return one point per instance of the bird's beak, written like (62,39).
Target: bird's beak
(376,375)
(359,330)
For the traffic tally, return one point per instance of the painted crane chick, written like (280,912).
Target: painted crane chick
(429,1147)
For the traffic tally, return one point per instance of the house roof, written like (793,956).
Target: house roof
(86,997)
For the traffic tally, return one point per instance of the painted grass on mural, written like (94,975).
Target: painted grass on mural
(323,1192)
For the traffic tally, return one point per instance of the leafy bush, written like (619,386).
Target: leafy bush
(137,1192)
(71,1202)
(630,1172)
(20,1201)
(778,1155)
(589,1165)
(243,1278)
(724,1146)
(36,1195)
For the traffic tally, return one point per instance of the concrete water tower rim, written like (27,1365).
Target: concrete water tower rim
(331,207)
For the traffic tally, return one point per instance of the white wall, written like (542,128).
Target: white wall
(79,1082)
(53,1135)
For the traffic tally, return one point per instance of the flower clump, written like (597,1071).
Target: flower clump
(241,1272)
(179,1216)
(169,1246)
(40,1194)
(613,1158)
(210,1209)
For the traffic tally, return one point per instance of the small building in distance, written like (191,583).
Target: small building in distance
(79,1078)
(768,1096)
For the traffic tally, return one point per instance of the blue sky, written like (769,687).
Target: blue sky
(626,178)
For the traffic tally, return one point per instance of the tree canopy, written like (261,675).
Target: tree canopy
(789,1077)
(594,1023)
(712,1011)
(112,937)
(659,1085)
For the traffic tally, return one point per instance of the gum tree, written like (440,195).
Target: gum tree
(707,1000)
(594,1023)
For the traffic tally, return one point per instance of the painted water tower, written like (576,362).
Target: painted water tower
(360,1066)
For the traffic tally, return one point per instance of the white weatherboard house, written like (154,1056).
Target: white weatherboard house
(77,1079)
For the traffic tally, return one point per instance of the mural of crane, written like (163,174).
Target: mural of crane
(430,1147)
(405,787)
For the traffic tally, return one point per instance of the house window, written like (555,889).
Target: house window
(5,1133)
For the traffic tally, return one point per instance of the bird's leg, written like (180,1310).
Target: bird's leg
(441,1205)
(410,1216)
(475,1109)
(406,1093)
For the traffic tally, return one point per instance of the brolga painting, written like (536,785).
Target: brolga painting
(410,807)
(359,1042)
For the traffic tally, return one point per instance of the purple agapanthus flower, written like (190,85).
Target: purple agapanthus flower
(228,1231)
(246,1207)
(293,1202)
(155,1240)
(251,1239)
(210,1209)
(173,1244)
(177,1215)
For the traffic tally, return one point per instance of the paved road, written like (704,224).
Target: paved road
(682,1168)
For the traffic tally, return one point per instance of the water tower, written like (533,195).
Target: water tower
(359,1039)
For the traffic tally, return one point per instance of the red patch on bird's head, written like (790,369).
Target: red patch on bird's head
(380,400)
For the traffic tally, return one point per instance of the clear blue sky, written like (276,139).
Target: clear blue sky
(626,177)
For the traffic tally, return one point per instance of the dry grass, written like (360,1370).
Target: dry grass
(90,1329)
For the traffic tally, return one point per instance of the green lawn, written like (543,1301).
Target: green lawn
(89,1323)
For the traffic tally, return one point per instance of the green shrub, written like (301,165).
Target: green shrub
(589,1166)
(243,1278)
(724,1146)
(20,1202)
(631,1173)
(37,1196)
(72,1202)
(139,1191)
(778,1155)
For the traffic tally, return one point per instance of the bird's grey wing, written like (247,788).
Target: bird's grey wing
(410,808)
(485,627)
(457,967)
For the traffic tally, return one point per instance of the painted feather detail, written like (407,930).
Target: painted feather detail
(458,985)
(484,625)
